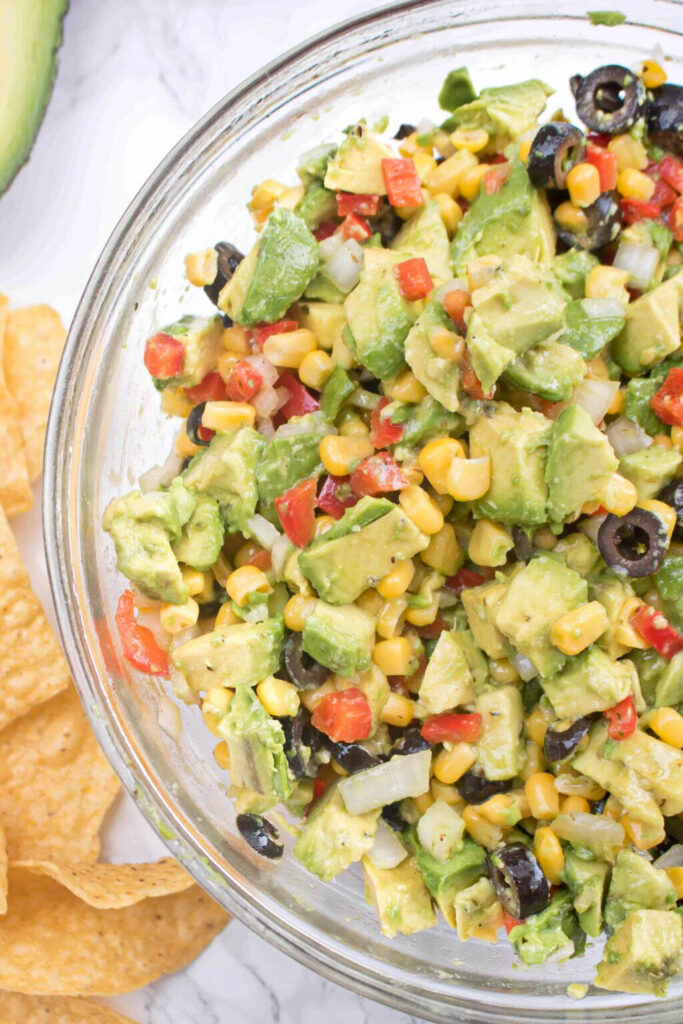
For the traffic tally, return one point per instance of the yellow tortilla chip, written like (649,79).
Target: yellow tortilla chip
(108,886)
(34,339)
(55,944)
(3,873)
(32,666)
(55,784)
(15,490)
(16,1008)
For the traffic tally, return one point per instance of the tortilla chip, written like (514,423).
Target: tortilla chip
(108,886)
(34,340)
(16,1008)
(55,784)
(32,666)
(15,490)
(3,873)
(55,944)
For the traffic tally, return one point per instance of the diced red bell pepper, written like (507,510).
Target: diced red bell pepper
(296,511)
(510,922)
(164,356)
(675,219)
(344,716)
(496,177)
(622,719)
(471,384)
(414,279)
(497,158)
(672,171)
(378,474)
(326,229)
(319,787)
(455,303)
(463,580)
(139,644)
(264,331)
(667,401)
(434,629)
(244,382)
(656,629)
(355,227)
(300,400)
(402,182)
(336,496)
(664,194)
(349,202)
(606,164)
(382,431)
(639,209)
(452,728)
(599,138)
(211,389)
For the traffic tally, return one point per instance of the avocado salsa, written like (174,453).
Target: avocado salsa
(417,554)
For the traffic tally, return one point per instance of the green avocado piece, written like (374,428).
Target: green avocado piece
(449,679)
(590,682)
(612,594)
(658,766)
(586,880)
(378,316)
(643,954)
(669,691)
(428,420)
(669,583)
(313,164)
(256,741)
(424,234)
(652,329)
(650,667)
(479,604)
(340,637)
(478,912)
(201,337)
(202,538)
(457,89)
(504,111)
(571,270)
(578,553)
(637,885)
(322,289)
(516,443)
(331,839)
(548,933)
(357,164)
(238,655)
(337,390)
(650,469)
(445,879)
(292,454)
(580,463)
(500,750)
(274,274)
(588,328)
(226,471)
(514,220)
(438,375)
(637,406)
(551,370)
(609,18)
(540,593)
(399,896)
(316,205)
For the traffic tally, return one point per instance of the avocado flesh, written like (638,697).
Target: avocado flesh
(238,655)
(438,375)
(340,637)
(446,879)
(259,774)
(586,880)
(652,329)
(500,751)
(591,682)
(399,896)
(645,951)
(637,885)
(424,234)
(449,679)
(331,839)
(650,469)
(202,537)
(478,912)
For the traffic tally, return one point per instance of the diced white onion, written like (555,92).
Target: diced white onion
(396,779)
(279,553)
(456,284)
(440,830)
(298,426)
(524,666)
(673,858)
(168,717)
(265,401)
(344,267)
(161,476)
(639,260)
(256,614)
(329,246)
(262,531)
(386,851)
(263,366)
(602,309)
(597,832)
(265,428)
(595,396)
(424,126)
(591,525)
(181,687)
(627,436)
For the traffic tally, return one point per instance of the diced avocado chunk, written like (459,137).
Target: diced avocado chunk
(143,527)
(357,164)
(331,839)
(551,370)
(670,684)
(637,885)
(321,288)
(590,682)
(440,376)
(650,667)
(612,595)
(571,270)
(237,655)
(226,471)
(429,419)
(201,337)
(578,553)
(379,317)
(274,274)
(652,329)
(658,766)
(424,234)
(500,751)
(643,954)
(338,388)
(587,880)
(548,934)
(456,90)
(479,604)
(516,443)
(445,879)
(534,598)
(326,319)
(650,469)
(340,637)
(452,671)
(669,583)
(202,538)
(258,763)
(478,912)
(399,896)
(313,163)
(291,454)
(351,557)
(580,462)
(504,111)
(637,406)
(316,205)
(589,329)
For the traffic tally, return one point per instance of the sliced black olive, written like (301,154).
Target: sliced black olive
(260,834)
(560,743)
(351,756)
(475,788)
(605,218)
(209,607)
(302,742)
(635,544)
(404,131)
(674,828)
(556,148)
(194,422)
(229,258)
(610,99)
(524,549)
(412,742)
(388,223)
(303,670)
(517,878)
(664,114)
(673,495)
(393,817)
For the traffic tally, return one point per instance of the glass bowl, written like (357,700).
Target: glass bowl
(106,427)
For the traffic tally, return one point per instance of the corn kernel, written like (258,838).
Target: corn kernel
(569,804)
(423,616)
(315,368)
(497,809)
(665,512)
(404,388)
(435,460)
(246,580)
(291,197)
(481,270)
(617,403)
(221,569)
(409,146)
(423,802)
(449,794)
(445,178)
(279,697)
(537,726)
(571,218)
(183,446)
(619,495)
(470,181)
(425,164)
(443,552)
(226,363)
(576,630)
(246,552)
(473,141)
(549,854)
(222,756)
(447,344)
(224,416)
(624,632)
(323,524)
(442,144)
(482,831)
(637,834)
(390,617)
(193,580)
(661,441)
(174,403)
(503,672)
(396,582)
(535,760)
(525,149)
(393,657)
(398,710)
(469,479)
(339,454)
(451,213)
(176,617)
(676,876)
(630,153)
(263,198)
(613,808)
(450,765)
(369,601)
(489,543)
(633,184)
(297,610)
(652,74)
(327,320)
(607,283)
(234,339)
(290,349)
(214,706)
(597,369)
(583,183)
(667,723)
(226,616)
(201,267)
(544,800)
(413,474)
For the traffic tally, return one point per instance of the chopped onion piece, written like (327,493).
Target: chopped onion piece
(603,309)
(596,832)
(329,246)
(265,428)
(279,553)
(595,396)
(161,476)
(639,260)
(626,436)
(524,666)
(265,402)
(396,779)
(264,366)
(424,126)
(456,284)
(257,614)
(181,687)
(344,267)
(673,858)
(168,717)
(440,830)
(591,525)
(262,531)
(386,851)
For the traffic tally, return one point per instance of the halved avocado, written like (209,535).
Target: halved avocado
(30,35)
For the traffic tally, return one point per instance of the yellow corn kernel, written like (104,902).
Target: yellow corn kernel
(535,760)
(617,403)
(624,632)
(652,74)
(315,368)
(473,141)
(667,723)
(497,809)
(214,706)
(201,267)
(571,218)
(226,363)
(221,569)
(183,446)
(537,726)
(339,454)
(226,616)
(246,580)
(450,765)
(423,616)
(396,582)
(279,698)
(676,877)
(404,388)
(297,610)
(398,710)
(435,460)
(424,163)
(444,502)
(176,617)
(221,756)
(443,552)
(228,415)
(544,800)
(370,601)
(525,149)
(576,630)
(409,146)
(597,369)
(234,339)
(451,213)
(421,509)
(323,524)
(423,803)
(263,196)
(470,181)
(503,671)
(393,657)
(482,831)
(390,617)
(633,184)
(630,152)
(291,197)
(447,344)
(446,177)
(677,438)
(469,479)
(311,698)
(619,495)
(413,474)
(174,403)
(548,850)
(290,349)
(583,182)
(665,512)
(636,833)
(568,804)
(661,441)
(489,543)
(481,270)
(607,283)
(449,794)
(193,580)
